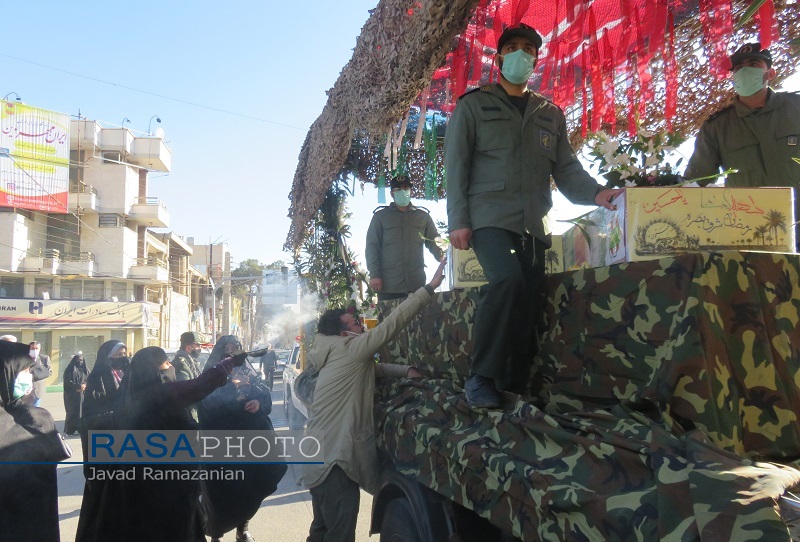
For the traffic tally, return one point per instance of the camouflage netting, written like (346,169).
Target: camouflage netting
(405,44)
(659,388)
(394,58)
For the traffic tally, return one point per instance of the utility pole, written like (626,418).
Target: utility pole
(213,292)
(226,295)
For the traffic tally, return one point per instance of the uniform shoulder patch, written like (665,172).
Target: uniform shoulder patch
(473,91)
(718,113)
(541,96)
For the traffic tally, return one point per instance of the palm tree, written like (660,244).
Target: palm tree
(551,259)
(775,220)
(760,232)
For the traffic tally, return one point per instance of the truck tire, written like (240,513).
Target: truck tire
(399,524)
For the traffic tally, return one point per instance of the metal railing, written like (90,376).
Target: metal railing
(78,257)
(80,187)
(151,262)
(149,201)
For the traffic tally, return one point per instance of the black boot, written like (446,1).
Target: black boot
(481,392)
(242,534)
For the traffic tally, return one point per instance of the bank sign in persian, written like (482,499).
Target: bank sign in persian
(34,158)
(652,222)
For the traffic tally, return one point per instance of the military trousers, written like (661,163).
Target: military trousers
(509,307)
(335,506)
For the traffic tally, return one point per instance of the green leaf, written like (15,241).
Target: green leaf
(751,11)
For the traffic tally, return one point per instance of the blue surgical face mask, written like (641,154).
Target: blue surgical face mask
(23,384)
(748,80)
(402,197)
(518,66)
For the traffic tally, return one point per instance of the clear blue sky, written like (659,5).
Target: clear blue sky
(272,61)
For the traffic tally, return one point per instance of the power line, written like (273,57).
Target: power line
(194,104)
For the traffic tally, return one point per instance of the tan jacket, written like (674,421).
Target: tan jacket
(341,415)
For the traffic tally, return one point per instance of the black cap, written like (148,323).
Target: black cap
(399,181)
(519,31)
(189,337)
(748,51)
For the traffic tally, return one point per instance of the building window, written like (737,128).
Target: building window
(120,291)
(111,220)
(43,288)
(71,289)
(12,287)
(93,289)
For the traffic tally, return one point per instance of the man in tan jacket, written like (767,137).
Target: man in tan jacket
(341,414)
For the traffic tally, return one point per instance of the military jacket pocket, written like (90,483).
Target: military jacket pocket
(543,137)
(494,129)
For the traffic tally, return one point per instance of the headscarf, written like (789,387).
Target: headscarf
(143,399)
(15,358)
(104,353)
(101,385)
(219,349)
(76,370)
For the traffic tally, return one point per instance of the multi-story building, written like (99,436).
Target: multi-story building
(96,271)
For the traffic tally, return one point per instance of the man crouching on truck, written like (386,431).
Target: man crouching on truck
(341,414)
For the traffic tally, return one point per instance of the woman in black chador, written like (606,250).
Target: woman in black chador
(28,492)
(145,507)
(244,403)
(75,376)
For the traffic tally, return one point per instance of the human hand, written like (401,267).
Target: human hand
(252,406)
(436,281)
(376,284)
(413,373)
(604,197)
(460,238)
(83,387)
(238,357)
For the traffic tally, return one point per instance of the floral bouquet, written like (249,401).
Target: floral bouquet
(646,159)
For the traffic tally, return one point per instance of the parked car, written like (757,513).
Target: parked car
(295,411)
(283,360)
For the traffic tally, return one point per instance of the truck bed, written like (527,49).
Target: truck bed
(662,405)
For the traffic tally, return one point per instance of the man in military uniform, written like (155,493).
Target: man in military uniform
(185,361)
(395,238)
(503,144)
(757,134)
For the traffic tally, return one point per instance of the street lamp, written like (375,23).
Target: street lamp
(126,119)
(15,94)
(158,120)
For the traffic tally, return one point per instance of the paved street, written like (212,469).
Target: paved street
(284,516)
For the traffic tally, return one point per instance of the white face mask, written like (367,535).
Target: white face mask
(34,352)
(23,384)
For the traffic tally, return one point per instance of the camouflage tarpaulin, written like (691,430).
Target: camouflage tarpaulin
(659,379)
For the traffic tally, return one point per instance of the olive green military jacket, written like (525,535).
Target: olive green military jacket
(498,163)
(394,247)
(760,143)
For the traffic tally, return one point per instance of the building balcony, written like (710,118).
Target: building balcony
(82,198)
(150,269)
(46,262)
(116,140)
(84,135)
(150,212)
(78,264)
(151,153)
